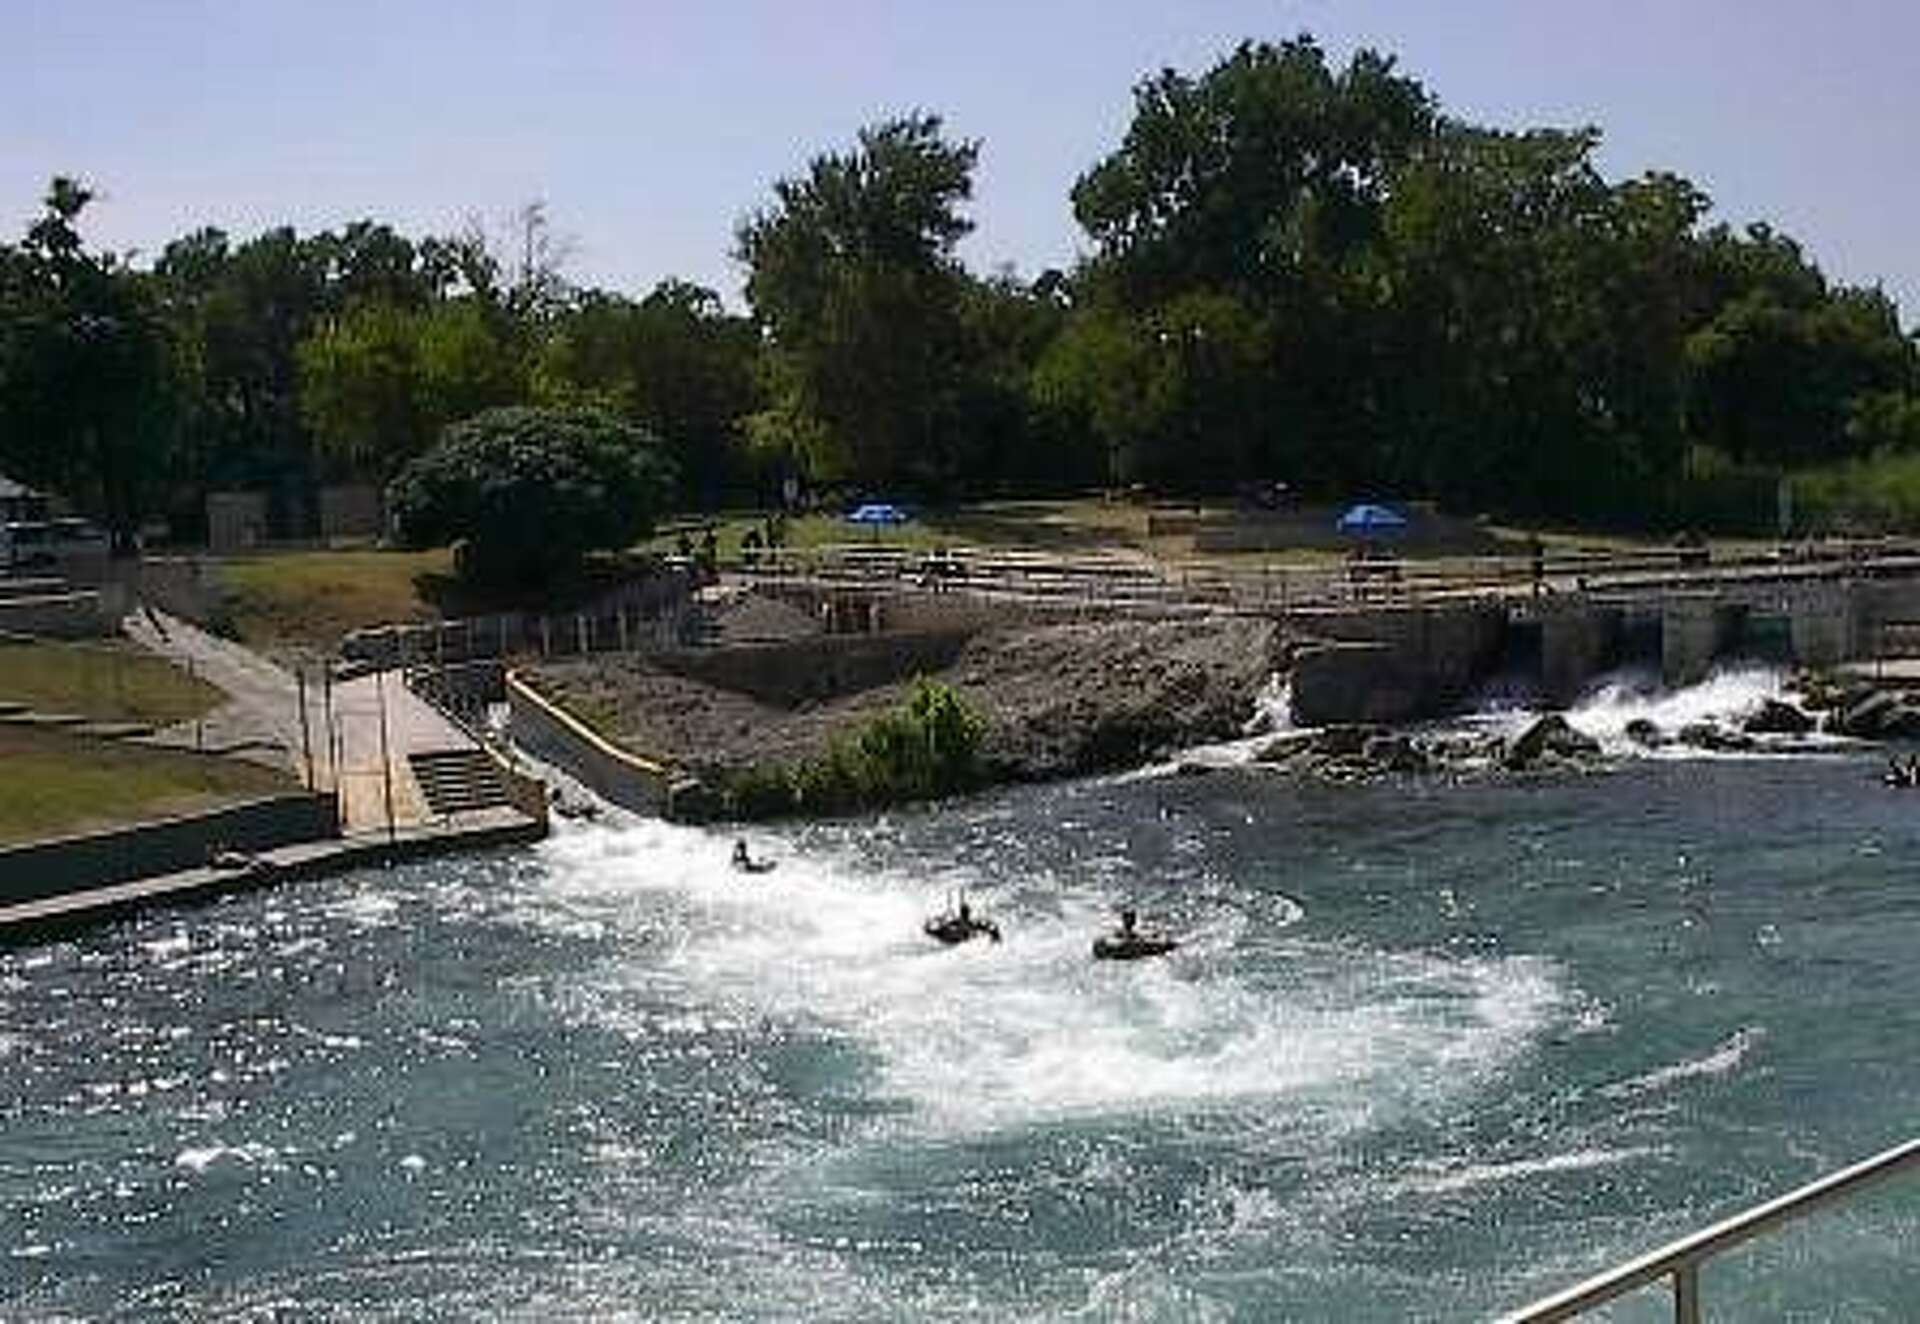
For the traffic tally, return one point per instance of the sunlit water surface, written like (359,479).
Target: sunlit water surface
(1430,1049)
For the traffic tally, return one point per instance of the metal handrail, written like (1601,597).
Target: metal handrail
(1681,1260)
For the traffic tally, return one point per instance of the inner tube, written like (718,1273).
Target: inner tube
(756,866)
(1122,947)
(951,929)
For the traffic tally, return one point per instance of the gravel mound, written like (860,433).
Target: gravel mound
(1059,700)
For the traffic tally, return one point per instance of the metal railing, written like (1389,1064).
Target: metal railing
(1379,581)
(1680,1260)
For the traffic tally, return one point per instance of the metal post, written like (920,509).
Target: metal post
(580,633)
(306,734)
(1686,1293)
(386,759)
(199,722)
(326,712)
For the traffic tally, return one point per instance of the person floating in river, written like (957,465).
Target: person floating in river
(745,863)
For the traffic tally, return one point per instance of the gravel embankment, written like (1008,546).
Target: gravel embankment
(1059,700)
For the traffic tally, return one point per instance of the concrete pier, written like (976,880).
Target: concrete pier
(1577,642)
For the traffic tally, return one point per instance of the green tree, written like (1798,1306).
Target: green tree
(378,383)
(675,362)
(852,272)
(1249,178)
(530,491)
(90,378)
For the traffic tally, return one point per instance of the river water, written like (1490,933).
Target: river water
(1432,1048)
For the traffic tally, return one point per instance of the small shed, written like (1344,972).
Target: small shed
(236,521)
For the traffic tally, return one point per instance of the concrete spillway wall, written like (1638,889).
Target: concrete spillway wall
(1403,663)
(1393,665)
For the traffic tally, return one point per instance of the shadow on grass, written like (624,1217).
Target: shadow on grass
(1041,525)
(453,597)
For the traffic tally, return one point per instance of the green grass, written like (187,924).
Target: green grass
(56,784)
(105,682)
(295,601)
(1066,526)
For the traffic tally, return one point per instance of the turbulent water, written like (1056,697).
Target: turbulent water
(1431,1048)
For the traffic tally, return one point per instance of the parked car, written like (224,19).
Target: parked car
(40,544)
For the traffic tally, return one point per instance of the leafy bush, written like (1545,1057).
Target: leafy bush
(1876,495)
(927,747)
(528,492)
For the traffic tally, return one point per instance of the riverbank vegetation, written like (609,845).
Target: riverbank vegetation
(925,747)
(1297,271)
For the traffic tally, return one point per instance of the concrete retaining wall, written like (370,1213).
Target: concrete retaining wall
(1576,643)
(99,859)
(1341,682)
(1421,660)
(57,616)
(821,667)
(553,734)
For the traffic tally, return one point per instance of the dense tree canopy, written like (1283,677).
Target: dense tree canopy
(852,271)
(1298,270)
(90,378)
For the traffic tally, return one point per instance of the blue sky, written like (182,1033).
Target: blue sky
(649,129)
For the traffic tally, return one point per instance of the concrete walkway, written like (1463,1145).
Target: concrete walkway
(341,746)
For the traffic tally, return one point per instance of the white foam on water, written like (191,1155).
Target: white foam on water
(1618,699)
(1272,714)
(1447,1178)
(1621,698)
(983,1036)
(1724,1059)
(199,1158)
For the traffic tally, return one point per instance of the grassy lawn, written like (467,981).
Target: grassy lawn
(55,784)
(294,601)
(103,681)
(1066,526)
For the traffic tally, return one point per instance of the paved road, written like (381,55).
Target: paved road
(342,732)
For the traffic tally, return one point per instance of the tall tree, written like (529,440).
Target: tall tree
(675,362)
(378,383)
(852,271)
(90,379)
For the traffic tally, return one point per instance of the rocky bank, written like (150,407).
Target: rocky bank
(1059,700)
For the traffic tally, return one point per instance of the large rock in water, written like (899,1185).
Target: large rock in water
(1644,731)
(1713,736)
(1551,734)
(1775,718)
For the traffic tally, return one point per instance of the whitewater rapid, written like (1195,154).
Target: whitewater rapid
(992,1035)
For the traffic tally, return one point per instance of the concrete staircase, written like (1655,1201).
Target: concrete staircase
(454,781)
